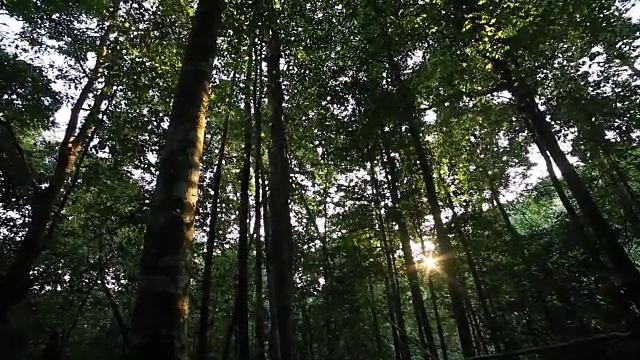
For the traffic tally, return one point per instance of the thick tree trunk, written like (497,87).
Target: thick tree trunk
(280,186)
(427,341)
(205,299)
(160,314)
(627,275)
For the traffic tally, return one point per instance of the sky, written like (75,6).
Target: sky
(9,27)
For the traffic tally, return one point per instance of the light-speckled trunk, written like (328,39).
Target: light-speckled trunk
(158,329)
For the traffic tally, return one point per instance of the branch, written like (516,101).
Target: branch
(22,161)
(546,348)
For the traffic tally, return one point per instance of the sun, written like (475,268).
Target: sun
(424,258)
(430,263)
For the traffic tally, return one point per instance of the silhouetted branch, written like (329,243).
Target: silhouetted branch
(564,345)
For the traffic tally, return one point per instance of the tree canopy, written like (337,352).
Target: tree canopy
(299,180)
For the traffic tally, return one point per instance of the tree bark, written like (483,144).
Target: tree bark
(427,340)
(396,318)
(243,218)
(205,299)
(280,186)
(449,263)
(491,322)
(434,303)
(274,341)
(258,203)
(160,314)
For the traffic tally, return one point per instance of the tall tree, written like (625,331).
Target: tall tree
(161,308)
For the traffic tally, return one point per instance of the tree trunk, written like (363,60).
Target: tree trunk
(626,273)
(258,203)
(377,337)
(231,326)
(434,303)
(160,312)
(402,330)
(280,186)
(243,218)
(203,327)
(117,314)
(396,317)
(427,341)
(491,322)
(449,263)
(274,341)
(476,329)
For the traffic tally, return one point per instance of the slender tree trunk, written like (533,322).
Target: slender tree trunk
(491,322)
(117,314)
(589,245)
(205,299)
(377,337)
(394,302)
(392,319)
(504,215)
(476,328)
(434,303)
(327,273)
(326,270)
(626,196)
(626,273)
(160,314)
(243,217)
(257,136)
(396,318)
(449,263)
(231,327)
(427,341)
(274,341)
(280,186)
(402,330)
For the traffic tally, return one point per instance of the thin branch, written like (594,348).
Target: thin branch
(546,348)
(23,161)
(67,335)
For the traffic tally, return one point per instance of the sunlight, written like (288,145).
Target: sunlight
(424,258)
(430,263)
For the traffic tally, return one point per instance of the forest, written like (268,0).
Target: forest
(319,180)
